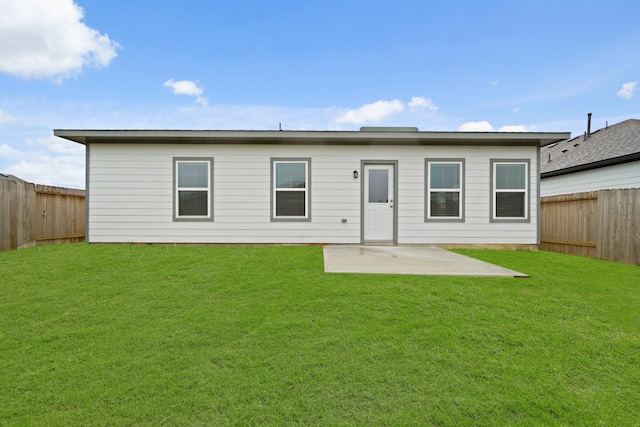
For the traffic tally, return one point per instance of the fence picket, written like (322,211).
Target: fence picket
(600,224)
(33,214)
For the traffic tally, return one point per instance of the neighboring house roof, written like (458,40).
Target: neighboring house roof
(7,177)
(616,144)
(366,136)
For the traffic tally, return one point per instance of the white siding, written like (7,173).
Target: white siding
(626,175)
(131,195)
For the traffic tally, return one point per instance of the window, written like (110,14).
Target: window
(378,186)
(193,187)
(510,190)
(290,189)
(444,190)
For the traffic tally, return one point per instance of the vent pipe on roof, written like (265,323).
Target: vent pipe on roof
(588,126)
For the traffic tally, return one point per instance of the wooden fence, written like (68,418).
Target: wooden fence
(600,224)
(32,214)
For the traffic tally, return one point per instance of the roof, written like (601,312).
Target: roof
(619,143)
(366,136)
(7,177)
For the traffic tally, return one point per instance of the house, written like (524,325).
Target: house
(591,194)
(376,185)
(608,158)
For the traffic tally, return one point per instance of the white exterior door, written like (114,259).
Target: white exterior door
(378,203)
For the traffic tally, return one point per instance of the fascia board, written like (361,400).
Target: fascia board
(310,137)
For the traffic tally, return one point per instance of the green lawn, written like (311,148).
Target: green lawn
(160,335)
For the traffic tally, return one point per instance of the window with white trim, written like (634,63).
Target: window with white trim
(510,190)
(444,189)
(193,188)
(290,185)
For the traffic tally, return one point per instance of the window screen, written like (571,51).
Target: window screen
(510,205)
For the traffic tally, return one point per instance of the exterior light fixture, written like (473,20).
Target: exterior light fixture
(355,174)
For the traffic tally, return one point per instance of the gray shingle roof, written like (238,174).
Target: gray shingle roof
(614,144)
(7,177)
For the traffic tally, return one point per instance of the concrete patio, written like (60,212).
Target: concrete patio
(418,260)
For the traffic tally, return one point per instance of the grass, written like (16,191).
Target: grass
(160,335)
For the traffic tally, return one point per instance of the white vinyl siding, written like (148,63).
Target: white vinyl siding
(131,194)
(626,175)
(477,228)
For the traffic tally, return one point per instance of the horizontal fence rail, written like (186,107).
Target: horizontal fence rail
(32,214)
(599,224)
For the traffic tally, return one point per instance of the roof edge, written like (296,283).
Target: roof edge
(593,165)
(399,137)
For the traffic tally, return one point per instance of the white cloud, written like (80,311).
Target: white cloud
(56,145)
(6,118)
(516,110)
(627,90)
(184,87)
(61,171)
(187,87)
(371,112)
(482,126)
(513,128)
(8,153)
(48,160)
(418,103)
(485,126)
(47,39)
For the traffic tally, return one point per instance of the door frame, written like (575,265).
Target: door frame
(363,193)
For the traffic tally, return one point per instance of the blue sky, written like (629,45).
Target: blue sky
(450,65)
